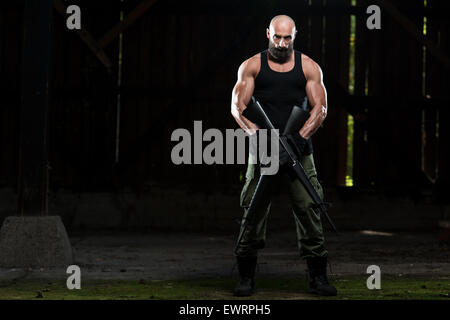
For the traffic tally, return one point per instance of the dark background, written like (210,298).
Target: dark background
(179,64)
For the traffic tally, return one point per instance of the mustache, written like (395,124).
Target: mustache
(281,49)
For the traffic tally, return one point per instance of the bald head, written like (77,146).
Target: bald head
(281,34)
(282,21)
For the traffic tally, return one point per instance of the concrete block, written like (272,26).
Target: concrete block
(38,241)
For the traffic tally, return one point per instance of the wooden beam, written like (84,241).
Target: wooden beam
(127,21)
(35,94)
(87,38)
(411,28)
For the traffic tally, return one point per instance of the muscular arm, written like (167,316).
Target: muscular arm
(242,93)
(317,96)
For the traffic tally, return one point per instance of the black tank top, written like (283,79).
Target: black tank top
(278,92)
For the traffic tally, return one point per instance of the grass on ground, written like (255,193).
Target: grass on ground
(349,288)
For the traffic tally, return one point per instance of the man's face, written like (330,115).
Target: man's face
(281,41)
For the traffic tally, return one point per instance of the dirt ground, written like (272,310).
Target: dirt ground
(165,255)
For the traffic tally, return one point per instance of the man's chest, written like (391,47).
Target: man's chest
(285,67)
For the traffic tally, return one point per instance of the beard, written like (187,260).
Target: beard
(280,54)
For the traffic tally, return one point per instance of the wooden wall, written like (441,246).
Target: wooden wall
(11,30)
(179,65)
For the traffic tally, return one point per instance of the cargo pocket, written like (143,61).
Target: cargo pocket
(249,186)
(311,173)
(250,173)
(316,184)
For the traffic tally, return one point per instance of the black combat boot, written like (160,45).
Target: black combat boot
(318,282)
(246,284)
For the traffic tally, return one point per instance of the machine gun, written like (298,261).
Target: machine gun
(297,118)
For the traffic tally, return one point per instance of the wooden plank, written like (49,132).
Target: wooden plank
(412,29)
(335,126)
(10,46)
(88,39)
(128,20)
(438,81)
(84,103)
(36,64)
(342,114)
(362,161)
(316,34)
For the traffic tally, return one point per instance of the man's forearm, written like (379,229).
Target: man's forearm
(243,122)
(315,120)
(246,124)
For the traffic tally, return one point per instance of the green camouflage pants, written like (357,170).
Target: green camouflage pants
(307,219)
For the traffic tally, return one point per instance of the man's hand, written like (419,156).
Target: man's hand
(299,142)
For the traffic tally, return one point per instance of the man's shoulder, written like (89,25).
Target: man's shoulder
(252,65)
(307,61)
(309,66)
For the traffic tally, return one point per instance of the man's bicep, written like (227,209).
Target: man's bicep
(248,86)
(316,93)
(243,90)
(315,88)
(241,96)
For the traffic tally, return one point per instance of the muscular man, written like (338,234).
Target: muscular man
(280,78)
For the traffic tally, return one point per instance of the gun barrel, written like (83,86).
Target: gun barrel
(268,124)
